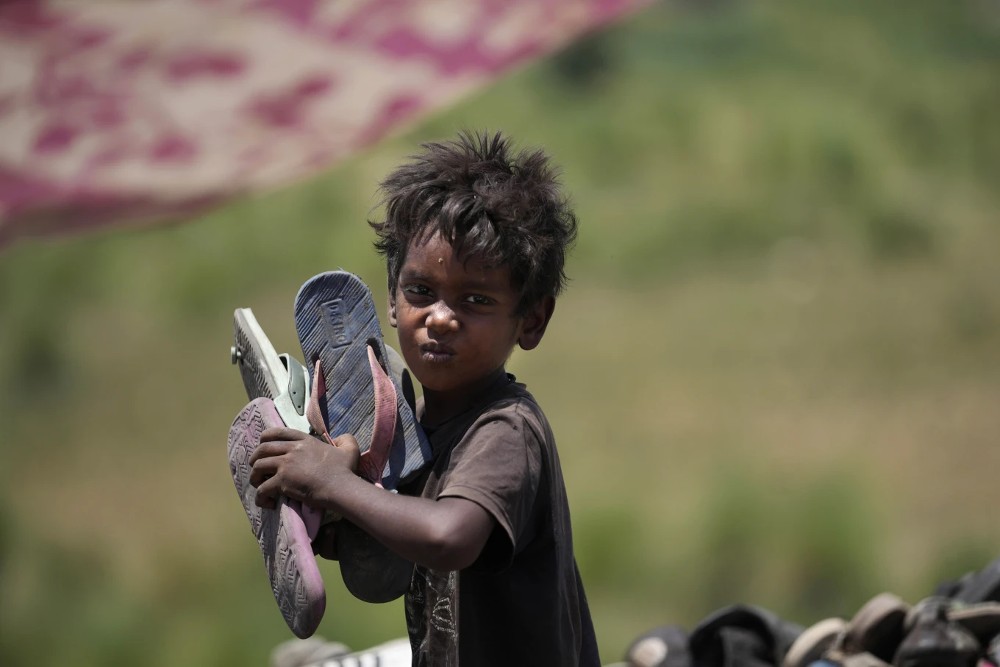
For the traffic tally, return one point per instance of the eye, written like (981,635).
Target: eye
(417,293)
(479,300)
(416,289)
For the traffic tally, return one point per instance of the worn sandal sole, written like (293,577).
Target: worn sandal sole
(336,321)
(281,533)
(337,325)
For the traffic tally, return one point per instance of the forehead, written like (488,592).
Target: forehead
(435,257)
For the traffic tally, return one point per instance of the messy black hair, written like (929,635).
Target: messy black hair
(501,207)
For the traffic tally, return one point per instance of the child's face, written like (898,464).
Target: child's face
(456,320)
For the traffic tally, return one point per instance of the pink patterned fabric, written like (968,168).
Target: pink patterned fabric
(116,111)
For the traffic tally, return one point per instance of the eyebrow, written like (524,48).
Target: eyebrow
(410,274)
(415,275)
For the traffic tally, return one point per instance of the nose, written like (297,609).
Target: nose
(442,319)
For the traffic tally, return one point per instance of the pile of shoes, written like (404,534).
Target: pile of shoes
(957,626)
(938,631)
(736,636)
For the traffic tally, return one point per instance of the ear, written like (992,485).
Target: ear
(534,323)
(392,308)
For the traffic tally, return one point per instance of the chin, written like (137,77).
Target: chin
(439,384)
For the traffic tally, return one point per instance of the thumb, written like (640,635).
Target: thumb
(349,446)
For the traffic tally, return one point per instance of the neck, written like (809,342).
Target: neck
(440,406)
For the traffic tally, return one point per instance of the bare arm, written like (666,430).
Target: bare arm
(445,534)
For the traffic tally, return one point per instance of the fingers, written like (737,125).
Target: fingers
(268,449)
(347,444)
(262,478)
(291,463)
(282,433)
(265,502)
(262,469)
(266,461)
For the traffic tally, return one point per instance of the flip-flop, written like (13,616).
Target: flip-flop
(662,646)
(337,323)
(338,329)
(876,628)
(982,619)
(285,533)
(933,639)
(267,374)
(814,642)
(285,381)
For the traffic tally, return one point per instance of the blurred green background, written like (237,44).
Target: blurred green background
(774,377)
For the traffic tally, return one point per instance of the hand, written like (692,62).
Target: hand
(299,466)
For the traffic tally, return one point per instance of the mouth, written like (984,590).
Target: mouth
(436,352)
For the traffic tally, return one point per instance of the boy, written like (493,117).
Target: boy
(474,239)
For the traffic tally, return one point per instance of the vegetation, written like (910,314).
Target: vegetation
(773,378)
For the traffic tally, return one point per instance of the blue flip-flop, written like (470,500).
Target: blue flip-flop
(342,345)
(337,324)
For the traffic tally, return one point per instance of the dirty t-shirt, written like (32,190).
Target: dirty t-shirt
(522,601)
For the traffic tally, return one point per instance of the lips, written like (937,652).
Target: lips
(436,352)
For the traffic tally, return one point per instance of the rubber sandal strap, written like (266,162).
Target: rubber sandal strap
(373,461)
(314,414)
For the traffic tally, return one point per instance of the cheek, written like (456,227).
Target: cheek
(406,324)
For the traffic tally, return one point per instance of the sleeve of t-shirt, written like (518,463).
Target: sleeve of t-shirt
(498,466)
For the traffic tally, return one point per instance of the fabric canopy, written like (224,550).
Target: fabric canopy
(117,111)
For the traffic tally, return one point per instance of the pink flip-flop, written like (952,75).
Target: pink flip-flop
(285,533)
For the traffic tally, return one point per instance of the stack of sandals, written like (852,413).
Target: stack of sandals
(355,384)
(957,626)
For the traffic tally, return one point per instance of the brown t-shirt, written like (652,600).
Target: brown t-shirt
(522,601)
